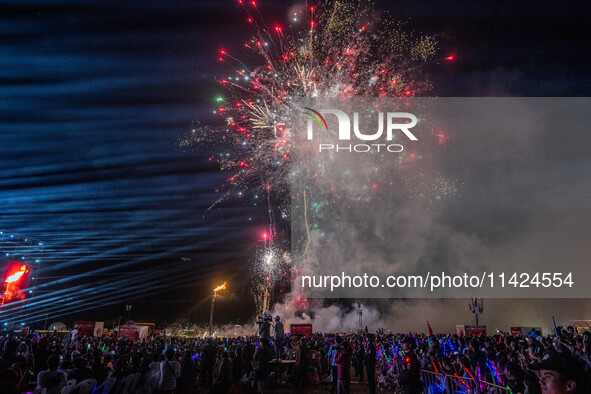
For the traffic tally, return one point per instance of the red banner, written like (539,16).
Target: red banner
(301,329)
(131,332)
(85,328)
(474,331)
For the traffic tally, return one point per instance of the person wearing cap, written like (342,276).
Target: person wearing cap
(410,377)
(278,337)
(265,328)
(560,373)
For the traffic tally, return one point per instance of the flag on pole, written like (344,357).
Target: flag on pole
(430,329)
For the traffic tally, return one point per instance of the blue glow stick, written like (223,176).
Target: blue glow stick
(555,329)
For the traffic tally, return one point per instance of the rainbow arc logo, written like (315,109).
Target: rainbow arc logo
(317,116)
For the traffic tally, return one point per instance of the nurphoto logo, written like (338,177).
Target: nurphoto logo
(396,122)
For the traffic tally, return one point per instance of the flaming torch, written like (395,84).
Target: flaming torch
(15,277)
(215,293)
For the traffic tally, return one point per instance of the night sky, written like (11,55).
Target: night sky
(96,95)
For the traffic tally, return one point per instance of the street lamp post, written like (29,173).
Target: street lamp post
(213,296)
(128,309)
(360,315)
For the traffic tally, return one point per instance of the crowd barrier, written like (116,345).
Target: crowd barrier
(437,383)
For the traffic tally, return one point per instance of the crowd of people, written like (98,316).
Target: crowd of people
(158,364)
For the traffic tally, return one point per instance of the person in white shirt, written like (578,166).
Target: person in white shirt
(154,374)
(169,371)
(74,334)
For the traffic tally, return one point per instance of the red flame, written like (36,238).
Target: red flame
(17,275)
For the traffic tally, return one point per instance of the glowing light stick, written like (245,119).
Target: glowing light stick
(467,370)
(450,345)
(385,357)
(497,373)
(461,380)
(555,329)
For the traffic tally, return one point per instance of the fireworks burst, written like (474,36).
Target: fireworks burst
(271,268)
(344,50)
(337,49)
